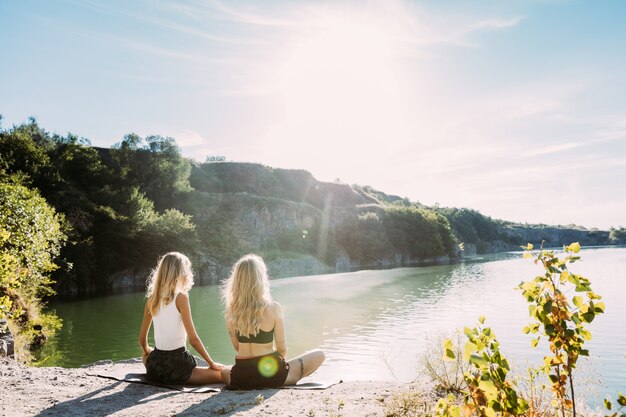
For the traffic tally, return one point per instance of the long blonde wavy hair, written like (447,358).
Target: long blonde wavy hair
(246,294)
(172,274)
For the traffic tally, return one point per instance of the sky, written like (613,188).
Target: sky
(516,109)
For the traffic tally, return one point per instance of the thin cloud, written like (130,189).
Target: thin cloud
(247,18)
(140,46)
(546,150)
(168,24)
(495,24)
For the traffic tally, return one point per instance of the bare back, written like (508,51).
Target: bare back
(272,320)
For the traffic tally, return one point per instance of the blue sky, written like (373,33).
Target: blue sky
(516,109)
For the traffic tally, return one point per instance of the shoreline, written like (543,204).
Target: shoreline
(54,391)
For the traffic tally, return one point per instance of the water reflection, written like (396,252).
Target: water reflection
(372,324)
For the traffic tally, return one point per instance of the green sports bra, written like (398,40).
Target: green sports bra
(261,337)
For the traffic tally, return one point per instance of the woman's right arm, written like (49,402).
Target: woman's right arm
(143,334)
(279,331)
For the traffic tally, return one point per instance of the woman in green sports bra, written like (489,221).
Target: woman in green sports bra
(257,330)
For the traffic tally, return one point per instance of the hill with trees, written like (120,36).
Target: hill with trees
(124,206)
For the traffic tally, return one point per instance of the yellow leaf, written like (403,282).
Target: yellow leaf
(470,348)
(490,412)
(449,350)
(578,301)
(527,255)
(564,276)
(574,247)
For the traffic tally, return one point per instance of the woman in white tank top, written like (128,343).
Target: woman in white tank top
(167,306)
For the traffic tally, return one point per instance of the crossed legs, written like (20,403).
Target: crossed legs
(304,365)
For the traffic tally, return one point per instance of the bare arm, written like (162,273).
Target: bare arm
(279,331)
(182,304)
(233,338)
(145,328)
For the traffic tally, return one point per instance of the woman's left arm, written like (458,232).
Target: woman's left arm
(182,303)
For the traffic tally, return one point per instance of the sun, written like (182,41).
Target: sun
(340,90)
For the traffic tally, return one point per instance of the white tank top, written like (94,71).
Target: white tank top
(169,331)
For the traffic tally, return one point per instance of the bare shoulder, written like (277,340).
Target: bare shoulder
(182,299)
(275,309)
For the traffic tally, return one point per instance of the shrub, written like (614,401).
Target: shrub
(31,237)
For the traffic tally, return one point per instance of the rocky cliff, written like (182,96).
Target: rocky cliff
(292,220)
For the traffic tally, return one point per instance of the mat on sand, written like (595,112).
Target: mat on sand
(141,378)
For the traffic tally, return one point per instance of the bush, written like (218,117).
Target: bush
(31,237)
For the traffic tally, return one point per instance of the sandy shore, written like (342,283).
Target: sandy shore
(28,391)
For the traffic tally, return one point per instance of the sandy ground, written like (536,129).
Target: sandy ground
(28,391)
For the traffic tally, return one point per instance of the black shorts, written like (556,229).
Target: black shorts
(259,372)
(170,366)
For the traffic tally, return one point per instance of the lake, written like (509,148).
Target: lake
(374,325)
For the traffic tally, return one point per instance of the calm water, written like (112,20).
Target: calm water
(373,325)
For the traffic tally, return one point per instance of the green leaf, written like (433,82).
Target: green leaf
(574,279)
(488,387)
(585,334)
(455,411)
(607,404)
(449,350)
(578,301)
(547,307)
(478,361)
(481,319)
(589,316)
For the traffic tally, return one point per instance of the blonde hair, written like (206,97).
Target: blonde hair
(246,294)
(172,274)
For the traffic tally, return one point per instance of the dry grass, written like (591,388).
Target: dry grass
(446,375)
(410,403)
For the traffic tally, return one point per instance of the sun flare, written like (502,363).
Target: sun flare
(340,89)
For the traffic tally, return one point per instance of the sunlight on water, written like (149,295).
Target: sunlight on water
(373,325)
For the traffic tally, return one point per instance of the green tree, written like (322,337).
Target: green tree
(418,232)
(363,238)
(153,164)
(617,236)
(31,237)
